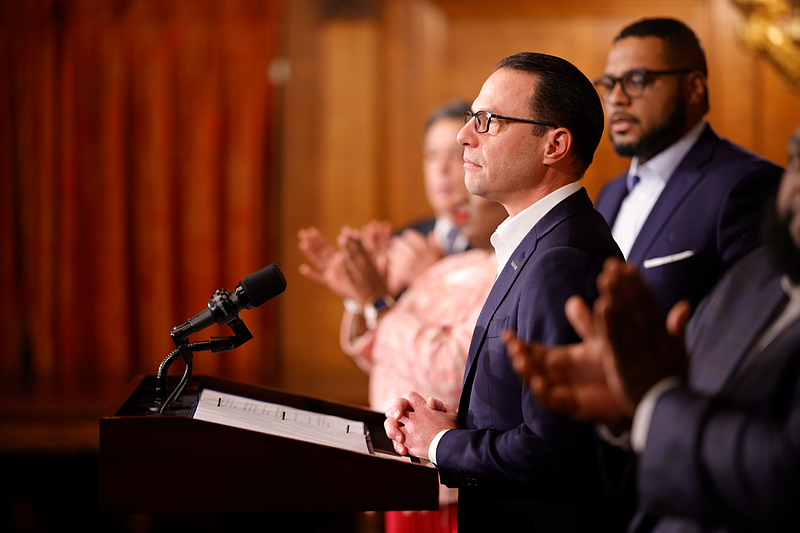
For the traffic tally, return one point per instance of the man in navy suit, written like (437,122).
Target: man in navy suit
(690,203)
(528,139)
(717,439)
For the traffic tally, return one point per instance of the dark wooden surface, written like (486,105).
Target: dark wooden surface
(151,463)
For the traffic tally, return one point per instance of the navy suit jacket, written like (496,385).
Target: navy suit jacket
(712,205)
(510,455)
(723,453)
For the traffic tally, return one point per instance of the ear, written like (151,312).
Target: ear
(696,88)
(558,144)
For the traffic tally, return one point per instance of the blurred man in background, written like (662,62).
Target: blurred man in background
(690,204)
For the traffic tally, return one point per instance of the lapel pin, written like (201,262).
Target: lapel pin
(514,265)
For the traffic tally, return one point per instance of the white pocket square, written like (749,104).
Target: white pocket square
(658,261)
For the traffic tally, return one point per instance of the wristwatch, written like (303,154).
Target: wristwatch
(374,307)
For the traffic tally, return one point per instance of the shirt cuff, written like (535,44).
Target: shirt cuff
(644,412)
(432,446)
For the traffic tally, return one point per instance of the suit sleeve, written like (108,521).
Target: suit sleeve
(524,442)
(715,462)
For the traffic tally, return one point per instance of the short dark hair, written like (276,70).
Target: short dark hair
(564,96)
(454,109)
(682,48)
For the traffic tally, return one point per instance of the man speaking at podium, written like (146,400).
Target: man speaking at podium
(528,139)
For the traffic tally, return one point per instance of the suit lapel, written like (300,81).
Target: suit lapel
(762,367)
(575,203)
(681,183)
(499,291)
(732,341)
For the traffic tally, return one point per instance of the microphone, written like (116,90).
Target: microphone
(224,306)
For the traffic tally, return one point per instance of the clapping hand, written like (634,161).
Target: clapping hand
(625,349)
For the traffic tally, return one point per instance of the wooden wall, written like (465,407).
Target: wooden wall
(365,74)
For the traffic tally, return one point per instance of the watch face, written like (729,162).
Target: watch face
(372,309)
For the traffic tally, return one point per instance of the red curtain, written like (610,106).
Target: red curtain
(138,176)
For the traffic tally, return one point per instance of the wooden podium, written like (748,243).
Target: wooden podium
(154,463)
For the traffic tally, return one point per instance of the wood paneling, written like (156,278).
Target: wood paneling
(360,90)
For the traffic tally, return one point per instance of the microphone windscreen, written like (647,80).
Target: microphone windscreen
(263,285)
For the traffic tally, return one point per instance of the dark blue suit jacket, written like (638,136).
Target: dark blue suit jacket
(723,453)
(712,206)
(511,455)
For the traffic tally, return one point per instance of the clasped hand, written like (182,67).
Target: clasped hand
(412,422)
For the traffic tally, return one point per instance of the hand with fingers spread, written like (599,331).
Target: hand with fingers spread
(375,237)
(569,379)
(326,263)
(409,254)
(645,350)
(625,350)
(412,422)
(363,274)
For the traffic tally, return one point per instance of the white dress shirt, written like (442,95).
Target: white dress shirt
(505,240)
(653,176)
(510,233)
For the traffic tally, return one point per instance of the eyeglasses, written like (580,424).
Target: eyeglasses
(483,119)
(632,82)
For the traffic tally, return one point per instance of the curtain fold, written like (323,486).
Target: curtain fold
(137,166)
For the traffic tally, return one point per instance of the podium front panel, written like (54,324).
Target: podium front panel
(154,463)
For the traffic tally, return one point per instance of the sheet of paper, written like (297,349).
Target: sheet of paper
(281,420)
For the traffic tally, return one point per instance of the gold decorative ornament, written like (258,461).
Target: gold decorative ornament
(772,28)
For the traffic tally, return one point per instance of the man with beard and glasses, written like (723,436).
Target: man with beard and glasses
(690,203)
(715,419)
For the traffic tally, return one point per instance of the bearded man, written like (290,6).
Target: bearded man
(691,203)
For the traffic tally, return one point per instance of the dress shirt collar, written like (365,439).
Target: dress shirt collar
(441,229)
(791,289)
(665,162)
(510,233)
(792,310)
(789,314)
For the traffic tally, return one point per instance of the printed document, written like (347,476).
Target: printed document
(281,420)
